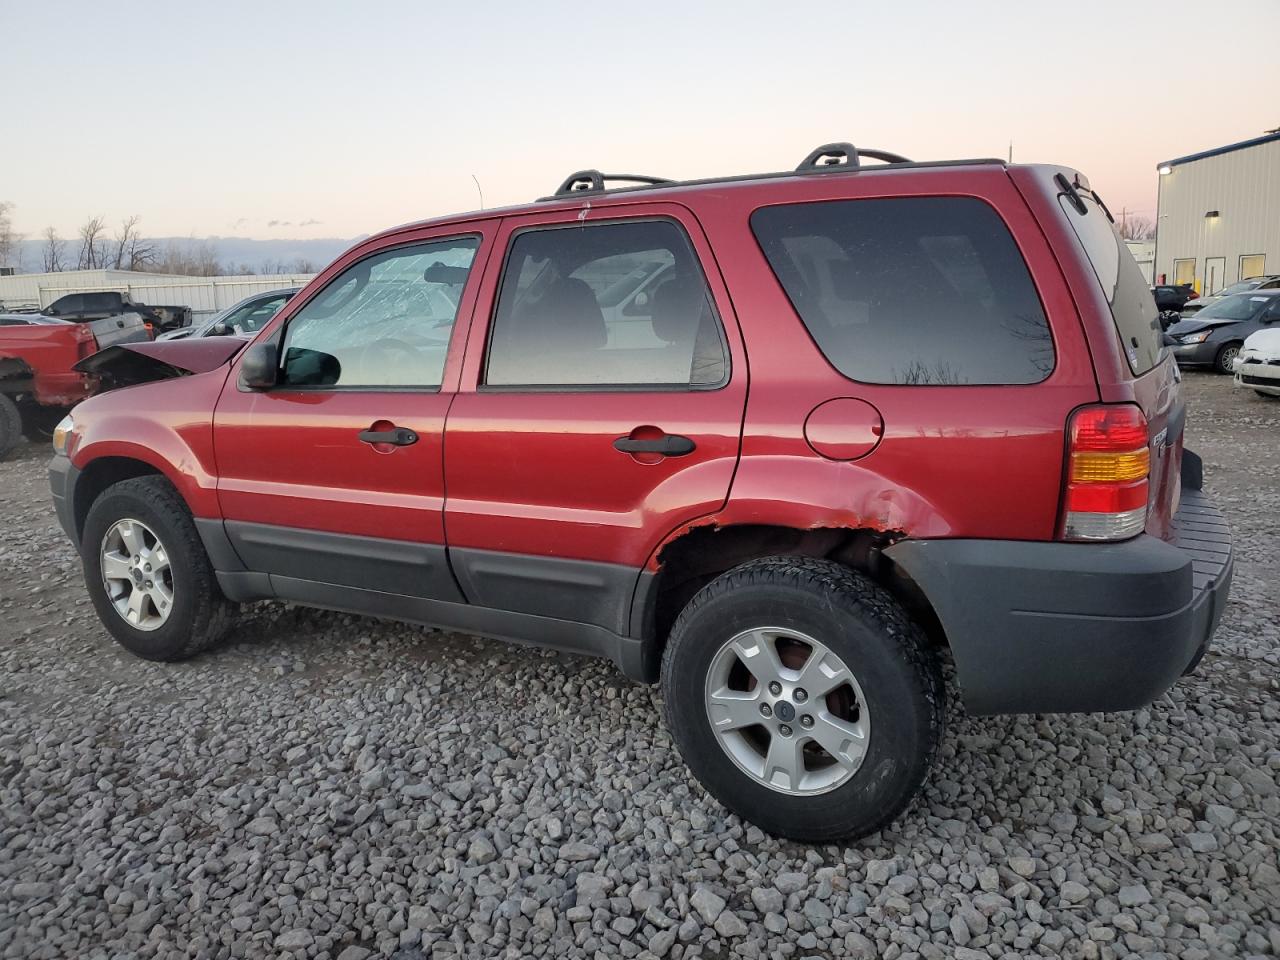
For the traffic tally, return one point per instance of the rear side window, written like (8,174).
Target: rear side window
(911,290)
(1136,317)
(602,306)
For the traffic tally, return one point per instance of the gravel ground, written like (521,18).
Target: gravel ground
(331,786)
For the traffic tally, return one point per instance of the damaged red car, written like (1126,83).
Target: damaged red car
(780,443)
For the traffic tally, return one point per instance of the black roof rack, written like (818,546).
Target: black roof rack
(593,181)
(830,157)
(843,155)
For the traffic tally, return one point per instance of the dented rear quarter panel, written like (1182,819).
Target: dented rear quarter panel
(953,461)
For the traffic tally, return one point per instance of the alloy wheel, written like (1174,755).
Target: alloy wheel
(787,710)
(136,574)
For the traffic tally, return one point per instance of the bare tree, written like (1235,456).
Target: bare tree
(93,244)
(1133,226)
(53,251)
(190,258)
(304,265)
(132,252)
(10,242)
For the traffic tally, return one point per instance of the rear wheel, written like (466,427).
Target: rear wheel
(10,425)
(1225,358)
(803,698)
(147,572)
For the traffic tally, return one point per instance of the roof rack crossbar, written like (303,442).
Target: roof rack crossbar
(843,156)
(593,181)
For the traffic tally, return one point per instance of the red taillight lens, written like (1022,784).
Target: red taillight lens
(1108,464)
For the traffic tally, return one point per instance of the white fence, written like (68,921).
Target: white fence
(204,295)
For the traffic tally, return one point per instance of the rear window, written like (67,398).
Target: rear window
(911,290)
(1136,317)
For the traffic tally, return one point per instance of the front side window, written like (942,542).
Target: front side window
(383,322)
(912,290)
(605,305)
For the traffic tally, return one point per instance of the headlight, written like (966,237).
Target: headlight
(62,434)
(1196,337)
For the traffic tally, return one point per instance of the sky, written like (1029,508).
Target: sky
(330,119)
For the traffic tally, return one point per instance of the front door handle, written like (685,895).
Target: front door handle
(668,445)
(398,436)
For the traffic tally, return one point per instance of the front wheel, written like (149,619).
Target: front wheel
(803,698)
(1226,356)
(148,574)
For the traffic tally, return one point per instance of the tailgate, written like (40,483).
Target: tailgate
(125,328)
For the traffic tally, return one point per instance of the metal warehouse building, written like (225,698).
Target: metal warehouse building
(1218,215)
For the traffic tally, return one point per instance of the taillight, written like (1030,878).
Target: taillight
(1108,463)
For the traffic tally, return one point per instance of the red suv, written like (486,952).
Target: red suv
(780,443)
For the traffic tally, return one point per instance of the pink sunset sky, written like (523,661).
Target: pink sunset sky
(328,119)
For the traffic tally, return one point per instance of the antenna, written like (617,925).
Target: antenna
(479,191)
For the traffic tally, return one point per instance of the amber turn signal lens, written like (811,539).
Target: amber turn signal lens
(1090,467)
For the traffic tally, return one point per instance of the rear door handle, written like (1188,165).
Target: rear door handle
(399,437)
(670,445)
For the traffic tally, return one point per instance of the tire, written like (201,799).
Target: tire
(10,425)
(897,691)
(197,614)
(1228,353)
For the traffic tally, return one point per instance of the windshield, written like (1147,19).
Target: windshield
(1234,308)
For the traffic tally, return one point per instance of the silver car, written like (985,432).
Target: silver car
(243,318)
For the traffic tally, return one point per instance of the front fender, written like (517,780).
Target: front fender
(167,425)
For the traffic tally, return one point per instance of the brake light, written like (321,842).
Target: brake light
(1108,465)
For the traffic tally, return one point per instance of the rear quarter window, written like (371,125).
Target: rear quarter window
(911,290)
(1134,311)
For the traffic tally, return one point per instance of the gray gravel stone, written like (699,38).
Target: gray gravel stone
(273,799)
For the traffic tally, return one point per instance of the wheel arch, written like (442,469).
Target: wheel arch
(700,553)
(103,472)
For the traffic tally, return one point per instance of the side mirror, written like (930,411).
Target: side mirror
(219,329)
(259,369)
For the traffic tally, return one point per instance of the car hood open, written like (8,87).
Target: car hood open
(127,364)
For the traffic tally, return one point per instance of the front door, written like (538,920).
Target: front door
(600,407)
(334,476)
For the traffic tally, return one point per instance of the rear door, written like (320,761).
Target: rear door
(590,420)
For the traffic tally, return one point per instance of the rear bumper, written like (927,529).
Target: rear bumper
(1071,627)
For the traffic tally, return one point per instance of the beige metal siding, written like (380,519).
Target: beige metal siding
(1244,187)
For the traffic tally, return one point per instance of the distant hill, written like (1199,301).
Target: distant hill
(275,256)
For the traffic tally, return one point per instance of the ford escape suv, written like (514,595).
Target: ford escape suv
(780,443)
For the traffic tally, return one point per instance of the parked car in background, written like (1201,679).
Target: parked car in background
(38,379)
(80,307)
(1268,282)
(241,319)
(1172,296)
(533,450)
(1214,335)
(1258,365)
